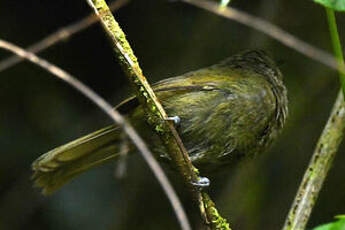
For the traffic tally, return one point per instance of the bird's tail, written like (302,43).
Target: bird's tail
(58,166)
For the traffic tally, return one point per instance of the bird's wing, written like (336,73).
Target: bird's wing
(194,81)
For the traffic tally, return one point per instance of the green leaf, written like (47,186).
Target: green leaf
(336,225)
(333,4)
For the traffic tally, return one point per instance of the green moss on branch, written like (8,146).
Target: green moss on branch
(156,116)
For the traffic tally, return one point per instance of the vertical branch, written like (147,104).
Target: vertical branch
(326,147)
(156,116)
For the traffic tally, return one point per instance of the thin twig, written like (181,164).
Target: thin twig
(326,148)
(60,35)
(116,117)
(271,30)
(156,116)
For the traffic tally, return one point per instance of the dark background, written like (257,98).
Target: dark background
(40,112)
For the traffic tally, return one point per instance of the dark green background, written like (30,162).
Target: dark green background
(40,112)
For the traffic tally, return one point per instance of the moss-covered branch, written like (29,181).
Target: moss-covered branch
(156,116)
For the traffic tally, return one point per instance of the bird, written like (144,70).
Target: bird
(228,111)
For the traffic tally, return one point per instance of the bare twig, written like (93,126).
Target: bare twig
(116,117)
(156,116)
(271,30)
(60,35)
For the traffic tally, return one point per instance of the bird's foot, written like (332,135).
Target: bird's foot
(202,182)
(175,119)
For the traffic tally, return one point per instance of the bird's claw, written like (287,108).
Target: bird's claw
(202,182)
(175,119)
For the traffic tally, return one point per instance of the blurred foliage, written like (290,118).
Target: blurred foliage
(333,4)
(169,38)
(224,2)
(336,225)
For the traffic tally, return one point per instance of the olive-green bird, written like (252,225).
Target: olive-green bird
(227,111)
